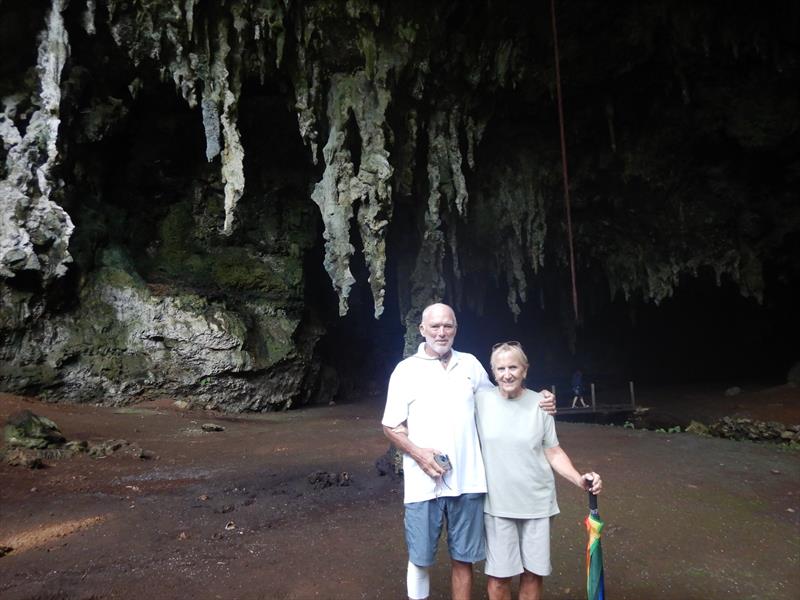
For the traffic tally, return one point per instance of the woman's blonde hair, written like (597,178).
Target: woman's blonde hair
(511,346)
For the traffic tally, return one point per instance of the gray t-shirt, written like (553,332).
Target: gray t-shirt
(514,433)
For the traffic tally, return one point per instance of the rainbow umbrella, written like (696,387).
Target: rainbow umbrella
(595,585)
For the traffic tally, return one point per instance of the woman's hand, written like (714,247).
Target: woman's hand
(591,482)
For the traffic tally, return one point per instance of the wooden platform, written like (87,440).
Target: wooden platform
(600,408)
(604,414)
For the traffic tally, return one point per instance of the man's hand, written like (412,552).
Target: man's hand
(426,462)
(548,402)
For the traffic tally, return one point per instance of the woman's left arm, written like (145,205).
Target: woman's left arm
(562,465)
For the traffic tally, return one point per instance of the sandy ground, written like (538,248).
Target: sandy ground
(232,514)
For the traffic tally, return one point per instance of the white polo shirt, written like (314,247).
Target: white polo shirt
(438,406)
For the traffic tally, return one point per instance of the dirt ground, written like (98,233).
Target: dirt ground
(232,514)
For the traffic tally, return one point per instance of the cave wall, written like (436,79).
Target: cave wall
(178,175)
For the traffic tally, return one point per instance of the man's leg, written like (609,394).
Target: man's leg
(418,582)
(499,588)
(423,523)
(530,586)
(465,541)
(461,580)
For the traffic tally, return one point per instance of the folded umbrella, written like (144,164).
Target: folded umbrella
(595,585)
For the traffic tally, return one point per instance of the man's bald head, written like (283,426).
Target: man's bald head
(436,307)
(438,327)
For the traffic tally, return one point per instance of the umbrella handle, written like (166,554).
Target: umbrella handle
(592,499)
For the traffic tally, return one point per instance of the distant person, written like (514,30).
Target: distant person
(577,389)
(520,453)
(430,415)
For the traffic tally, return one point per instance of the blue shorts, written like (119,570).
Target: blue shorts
(465,537)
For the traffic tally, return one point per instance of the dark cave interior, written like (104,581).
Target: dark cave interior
(705,334)
(145,185)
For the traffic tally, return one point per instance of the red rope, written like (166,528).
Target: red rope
(564,162)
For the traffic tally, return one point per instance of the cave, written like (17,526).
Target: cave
(249,203)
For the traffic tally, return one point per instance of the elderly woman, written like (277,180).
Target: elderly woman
(520,452)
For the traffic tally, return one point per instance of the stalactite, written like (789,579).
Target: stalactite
(510,203)
(168,32)
(34,230)
(188,9)
(88,17)
(474,132)
(406,157)
(341,187)
(210,64)
(233,153)
(445,176)
(447,188)
(53,53)
(305,79)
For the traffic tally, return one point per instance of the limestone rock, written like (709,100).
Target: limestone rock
(34,230)
(181,344)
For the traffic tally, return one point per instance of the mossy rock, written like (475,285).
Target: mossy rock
(27,430)
(271,332)
(236,268)
(175,232)
(180,257)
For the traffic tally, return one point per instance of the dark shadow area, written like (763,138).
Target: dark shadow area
(704,333)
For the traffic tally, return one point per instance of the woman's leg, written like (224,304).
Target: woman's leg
(530,586)
(499,588)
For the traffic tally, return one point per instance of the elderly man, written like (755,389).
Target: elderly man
(429,416)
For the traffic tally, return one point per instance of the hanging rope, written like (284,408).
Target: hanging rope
(564,162)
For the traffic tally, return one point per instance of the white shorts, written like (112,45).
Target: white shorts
(516,544)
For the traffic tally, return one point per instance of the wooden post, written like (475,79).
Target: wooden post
(594,400)
(633,395)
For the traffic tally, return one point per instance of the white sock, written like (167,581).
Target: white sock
(418,581)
